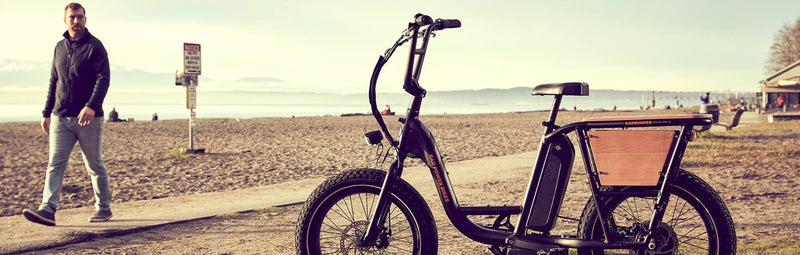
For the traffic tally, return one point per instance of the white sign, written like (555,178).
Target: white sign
(191,96)
(191,58)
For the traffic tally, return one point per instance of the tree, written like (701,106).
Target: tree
(785,48)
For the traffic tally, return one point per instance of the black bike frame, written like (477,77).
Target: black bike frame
(416,139)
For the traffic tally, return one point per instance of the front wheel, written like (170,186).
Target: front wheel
(336,214)
(696,221)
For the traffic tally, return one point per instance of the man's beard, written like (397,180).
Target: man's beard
(77,29)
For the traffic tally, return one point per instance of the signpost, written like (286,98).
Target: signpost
(188,79)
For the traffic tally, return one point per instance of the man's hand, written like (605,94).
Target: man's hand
(86,116)
(46,125)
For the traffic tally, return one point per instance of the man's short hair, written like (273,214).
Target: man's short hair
(75,7)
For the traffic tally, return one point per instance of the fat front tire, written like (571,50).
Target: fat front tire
(337,213)
(696,220)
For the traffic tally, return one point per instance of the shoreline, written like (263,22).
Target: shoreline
(356,114)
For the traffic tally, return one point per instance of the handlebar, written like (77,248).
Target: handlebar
(411,84)
(448,23)
(440,24)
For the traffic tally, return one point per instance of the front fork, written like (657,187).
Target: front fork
(378,217)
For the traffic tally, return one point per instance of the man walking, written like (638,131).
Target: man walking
(73,113)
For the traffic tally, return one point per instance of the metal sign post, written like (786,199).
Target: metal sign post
(191,103)
(188,79)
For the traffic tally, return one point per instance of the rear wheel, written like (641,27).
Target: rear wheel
(335,216)
(696,221)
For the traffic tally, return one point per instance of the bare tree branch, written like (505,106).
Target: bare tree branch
(785,48)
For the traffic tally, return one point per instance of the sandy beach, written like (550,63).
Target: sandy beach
(255,152)
(246,153)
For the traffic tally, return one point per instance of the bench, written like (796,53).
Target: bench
(734,121)
(784,116)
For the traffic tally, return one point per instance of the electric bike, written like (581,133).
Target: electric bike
(642,201)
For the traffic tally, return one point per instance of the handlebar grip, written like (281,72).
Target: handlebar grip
(422,19)
(448,23)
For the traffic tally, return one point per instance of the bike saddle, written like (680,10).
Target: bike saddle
(566,89)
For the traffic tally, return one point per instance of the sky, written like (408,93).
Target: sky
(332,46)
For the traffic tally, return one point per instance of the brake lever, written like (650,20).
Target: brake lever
(407,32)
(400,41)
(422,33)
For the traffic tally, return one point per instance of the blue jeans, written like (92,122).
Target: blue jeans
(64,132)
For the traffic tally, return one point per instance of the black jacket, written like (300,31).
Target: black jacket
(79,77)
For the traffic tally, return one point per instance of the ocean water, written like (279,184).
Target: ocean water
(269,104)
(32,112)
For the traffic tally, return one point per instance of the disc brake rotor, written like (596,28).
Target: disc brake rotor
(350,236)
(664,238)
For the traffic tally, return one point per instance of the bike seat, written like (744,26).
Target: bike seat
(566,89)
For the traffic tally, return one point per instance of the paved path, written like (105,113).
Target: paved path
(18,235)
(752,117)
(72,224)
(749,117)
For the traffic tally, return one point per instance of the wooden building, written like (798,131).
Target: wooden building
(786,83)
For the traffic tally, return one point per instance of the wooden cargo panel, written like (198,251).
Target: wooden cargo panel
(630,157)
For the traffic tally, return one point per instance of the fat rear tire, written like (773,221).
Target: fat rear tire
(695,212)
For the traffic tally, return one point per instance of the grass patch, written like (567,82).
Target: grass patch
(786,245)
(230,215)
(183,152)
(690,162)
(720,145)
(786,152)
(756,141)
(176,153)
(269,209)
(713,135)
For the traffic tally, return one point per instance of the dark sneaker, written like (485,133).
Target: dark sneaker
(40,216)
(101,216)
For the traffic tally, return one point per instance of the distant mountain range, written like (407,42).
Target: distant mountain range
(25,83)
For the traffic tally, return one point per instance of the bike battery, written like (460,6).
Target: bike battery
(551,183)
